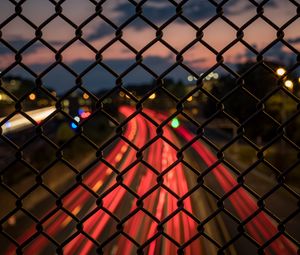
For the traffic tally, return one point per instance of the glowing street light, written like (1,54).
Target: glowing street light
(289,84)
(85,96)
(32,97)
(280,71)
(153,96)
(190,99)
(190,78)
(216,76)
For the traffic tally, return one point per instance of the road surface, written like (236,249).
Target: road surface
(132,202)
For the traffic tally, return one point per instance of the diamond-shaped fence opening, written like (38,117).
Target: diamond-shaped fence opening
(149,127)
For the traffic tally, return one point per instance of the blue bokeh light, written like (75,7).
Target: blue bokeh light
(73,125)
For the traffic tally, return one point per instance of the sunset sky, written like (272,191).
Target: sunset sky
(138,34)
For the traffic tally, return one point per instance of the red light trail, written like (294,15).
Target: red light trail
(159,202)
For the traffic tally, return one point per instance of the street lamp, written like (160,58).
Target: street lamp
(289,84)
(190,78)
(32,96)
(190,99)
(85,96)
(153,96)
(280,71)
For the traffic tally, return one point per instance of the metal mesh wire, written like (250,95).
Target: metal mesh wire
(278,241)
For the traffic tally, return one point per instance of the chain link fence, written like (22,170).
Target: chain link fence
(208,167)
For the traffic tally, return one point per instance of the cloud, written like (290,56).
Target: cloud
(197,61)
(136,34)
(276,53)
(158,13)
(294,40)
(280,54)
(98,78)
(240,7)
(100,32)
(18,43)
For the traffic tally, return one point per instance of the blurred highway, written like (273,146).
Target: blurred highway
(121,222)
